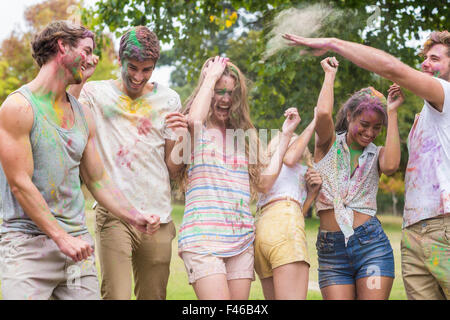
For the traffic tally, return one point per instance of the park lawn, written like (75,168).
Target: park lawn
(179,289)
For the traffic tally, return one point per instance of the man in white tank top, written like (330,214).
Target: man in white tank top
(426,219)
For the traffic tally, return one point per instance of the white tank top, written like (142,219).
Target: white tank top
(290,183)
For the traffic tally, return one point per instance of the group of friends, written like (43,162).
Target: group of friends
(125,137)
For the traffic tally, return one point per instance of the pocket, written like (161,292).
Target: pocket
(370,237)
(323,245)
(371,233)
(101,216)
(274,229)
(12,242)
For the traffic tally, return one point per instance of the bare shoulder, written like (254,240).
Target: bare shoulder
(16,114)
(89,117)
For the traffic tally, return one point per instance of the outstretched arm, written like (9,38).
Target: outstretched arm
(381,63)
(16,121)
(389,158)
(271,172)
(105,191)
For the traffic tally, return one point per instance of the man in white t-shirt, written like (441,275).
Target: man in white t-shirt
(134,141)
(426,219)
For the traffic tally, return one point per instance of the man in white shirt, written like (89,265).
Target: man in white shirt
(133,137)
(426,219)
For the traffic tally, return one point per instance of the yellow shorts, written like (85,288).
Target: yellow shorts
(280,237)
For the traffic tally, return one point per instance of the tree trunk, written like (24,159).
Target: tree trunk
(394,203)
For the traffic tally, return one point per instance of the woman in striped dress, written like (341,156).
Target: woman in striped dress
(217,233)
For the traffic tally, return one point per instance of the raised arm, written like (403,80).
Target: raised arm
(296,150)
(324,110)
(313,184)
(16,121)
(381,63)
(271,172)
(105,191)
(201,104)
(389,157)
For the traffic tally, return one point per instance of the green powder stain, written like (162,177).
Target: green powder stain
(134,39)
(234,70)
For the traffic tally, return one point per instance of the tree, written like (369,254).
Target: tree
(203,28)
(200,29)
(394,186)
(18,67)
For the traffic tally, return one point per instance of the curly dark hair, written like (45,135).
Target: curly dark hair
(45,43)
(139,43)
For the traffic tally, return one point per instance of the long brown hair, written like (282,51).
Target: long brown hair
(239,119)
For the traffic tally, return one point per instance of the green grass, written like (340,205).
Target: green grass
(179,288)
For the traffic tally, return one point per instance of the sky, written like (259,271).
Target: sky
(13,19)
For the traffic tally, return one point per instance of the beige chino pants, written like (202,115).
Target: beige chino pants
(123,249)
(33,268)
(426,259)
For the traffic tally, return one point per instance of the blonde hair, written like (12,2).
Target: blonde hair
(239,119)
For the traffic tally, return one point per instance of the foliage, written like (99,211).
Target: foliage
(239,29)
(393,184)
(18,67)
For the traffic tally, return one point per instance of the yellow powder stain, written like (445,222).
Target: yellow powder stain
(435,261)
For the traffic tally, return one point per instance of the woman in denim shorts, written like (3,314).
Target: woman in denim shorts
(355,257)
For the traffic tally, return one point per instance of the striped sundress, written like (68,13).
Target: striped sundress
(217,218)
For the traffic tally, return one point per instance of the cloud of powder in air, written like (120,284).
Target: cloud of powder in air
(305,22)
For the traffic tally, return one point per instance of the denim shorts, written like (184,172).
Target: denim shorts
(368,254)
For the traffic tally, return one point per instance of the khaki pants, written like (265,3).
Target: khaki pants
(33,268)
(426,259)
(123,249)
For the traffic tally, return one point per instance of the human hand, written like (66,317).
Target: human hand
(292,120)
(396,97)
(146,223)
(330,65)
(178,122)
(74,247)
(320,45)
(215,68)
(313,181)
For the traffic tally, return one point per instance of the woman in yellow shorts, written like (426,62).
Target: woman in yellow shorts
(281,255)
